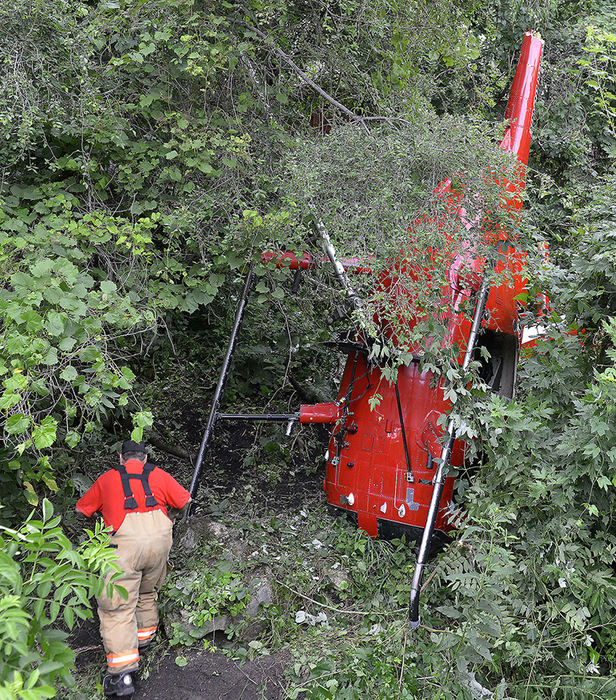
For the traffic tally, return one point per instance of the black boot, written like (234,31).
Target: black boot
(118,684)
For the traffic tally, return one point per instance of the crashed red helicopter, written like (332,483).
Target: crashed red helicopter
(389,469)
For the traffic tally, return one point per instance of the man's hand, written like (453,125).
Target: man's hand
(174,513)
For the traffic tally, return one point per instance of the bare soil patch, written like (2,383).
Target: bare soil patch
(207,675)
(212,676)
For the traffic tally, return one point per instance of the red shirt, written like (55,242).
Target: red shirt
(107,496)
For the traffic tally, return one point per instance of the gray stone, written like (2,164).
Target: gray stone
(189,533)
(338,577)
(222,532)
(260,592)
(182,617)
(258,582)
(188,540)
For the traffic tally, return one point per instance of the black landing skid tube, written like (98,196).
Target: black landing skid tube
(214,415)
(220,387)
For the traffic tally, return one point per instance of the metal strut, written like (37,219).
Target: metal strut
(353,297)
(259,416)
(338,267)
(220,387)
(441,472)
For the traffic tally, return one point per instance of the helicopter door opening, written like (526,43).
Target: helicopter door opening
(499,370)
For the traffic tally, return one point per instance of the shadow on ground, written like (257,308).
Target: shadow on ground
(205,674)
(212,676)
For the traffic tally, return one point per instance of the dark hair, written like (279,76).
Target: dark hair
(133,455)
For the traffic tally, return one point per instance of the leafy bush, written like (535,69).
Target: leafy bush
(141,167)
(45,585)
(201,596)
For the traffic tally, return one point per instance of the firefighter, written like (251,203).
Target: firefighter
(133,499)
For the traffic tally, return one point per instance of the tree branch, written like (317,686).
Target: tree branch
(291,63)
(170,449)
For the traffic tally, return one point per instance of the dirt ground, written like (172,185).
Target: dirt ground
(212,676)
(206,675)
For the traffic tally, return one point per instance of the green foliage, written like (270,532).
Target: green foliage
(513,607)
(202,596)
(532,583)
(367,187)
(136,135)
(139,139)
(59,372)
(149,150)
(582,276)
(384,195)
(46,584)
(573,127)
(601,67)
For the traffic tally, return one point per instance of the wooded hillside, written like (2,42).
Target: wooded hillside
(150,150)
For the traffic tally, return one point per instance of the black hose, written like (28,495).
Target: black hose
(406,449)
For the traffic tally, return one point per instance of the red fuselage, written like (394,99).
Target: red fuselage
(367,472)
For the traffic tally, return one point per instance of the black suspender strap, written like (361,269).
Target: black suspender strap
(129,499)
(150,501)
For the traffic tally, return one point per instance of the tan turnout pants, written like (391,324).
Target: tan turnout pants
(143,543)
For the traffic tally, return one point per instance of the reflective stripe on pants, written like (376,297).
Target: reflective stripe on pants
(120,660)
(145,635)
